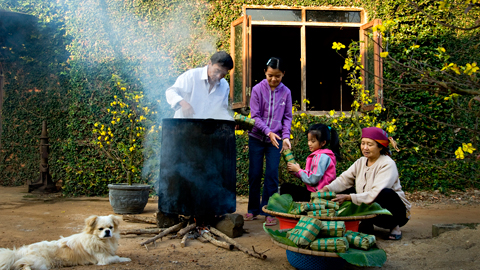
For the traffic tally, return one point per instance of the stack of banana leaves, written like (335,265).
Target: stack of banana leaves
(328,236)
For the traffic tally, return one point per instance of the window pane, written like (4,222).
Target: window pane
(238,71)
(333,16)
(275,15)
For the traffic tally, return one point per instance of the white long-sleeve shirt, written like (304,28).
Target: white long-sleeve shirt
(369,181)
(193,87)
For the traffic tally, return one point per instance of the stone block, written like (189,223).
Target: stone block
(231,225)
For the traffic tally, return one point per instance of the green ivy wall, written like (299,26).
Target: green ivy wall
(62,73)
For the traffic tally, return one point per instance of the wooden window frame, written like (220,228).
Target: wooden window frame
(247,55)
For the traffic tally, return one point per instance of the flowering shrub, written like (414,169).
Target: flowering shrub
(120,138)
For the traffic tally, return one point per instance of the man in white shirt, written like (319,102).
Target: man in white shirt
(203,92)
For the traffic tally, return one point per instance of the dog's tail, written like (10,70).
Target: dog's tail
(7,258)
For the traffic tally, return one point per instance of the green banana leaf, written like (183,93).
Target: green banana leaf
(348,209)
(281,203)
(279,236)
(372,257)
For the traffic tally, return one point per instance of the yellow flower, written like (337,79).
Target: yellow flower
(138,134)
(115,97)
(468,148)
(332,112)
(118,119)
(99,138)
(334,121)
(123,88)
(337,46)
(413,47)
(470,68)
(303,114)
(441,49)
(96,124)
(113,122)
(383,54)
(379,125)
(291,136)
(306,101)
(459,153)
(106,138)
(131,148)
(391,129)
(239,132)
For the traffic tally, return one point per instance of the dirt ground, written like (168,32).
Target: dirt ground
(27,218)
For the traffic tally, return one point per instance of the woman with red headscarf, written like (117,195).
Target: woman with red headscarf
(374,178)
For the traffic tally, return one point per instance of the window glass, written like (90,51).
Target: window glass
(333,16)
(291,15)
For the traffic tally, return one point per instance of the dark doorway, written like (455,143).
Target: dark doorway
(283,42)
(326,79)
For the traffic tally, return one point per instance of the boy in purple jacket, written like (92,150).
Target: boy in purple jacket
(271,107)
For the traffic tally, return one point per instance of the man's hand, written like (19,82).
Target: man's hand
(293,167)
(286,145)
(341,198)
(273,138)
(187,109)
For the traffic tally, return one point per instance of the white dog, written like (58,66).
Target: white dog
(97,244)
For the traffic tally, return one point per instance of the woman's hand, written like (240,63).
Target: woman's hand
(293,167)
(324,189)
(286,145)
(273,138)
(341,198)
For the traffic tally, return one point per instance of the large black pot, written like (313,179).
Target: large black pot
(197,167)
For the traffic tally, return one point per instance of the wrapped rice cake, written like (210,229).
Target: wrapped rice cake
(360,240)
(334,244)
(323,195)
(326,203)
(288,156)
(244,122)
(322,213)
(305,231)
(332,229)
(305,207)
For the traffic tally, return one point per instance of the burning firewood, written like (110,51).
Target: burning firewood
(184,240)
(186,229)
(205,234)
(140,219)
(142,231)
(237,245)
(174,228)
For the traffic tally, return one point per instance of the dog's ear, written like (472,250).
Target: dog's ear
(91,221)
(116,219)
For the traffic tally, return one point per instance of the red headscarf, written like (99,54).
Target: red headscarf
(376,134)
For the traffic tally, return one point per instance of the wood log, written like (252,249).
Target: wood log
(186,229)
(139,219)
(142,231)
(174,228)
(237,245)
(217,243)
(183,243)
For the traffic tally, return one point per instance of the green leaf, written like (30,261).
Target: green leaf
(348,209)
(280,203)
(372,257)
(279,236)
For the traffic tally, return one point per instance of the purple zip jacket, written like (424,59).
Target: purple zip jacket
(272,111)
